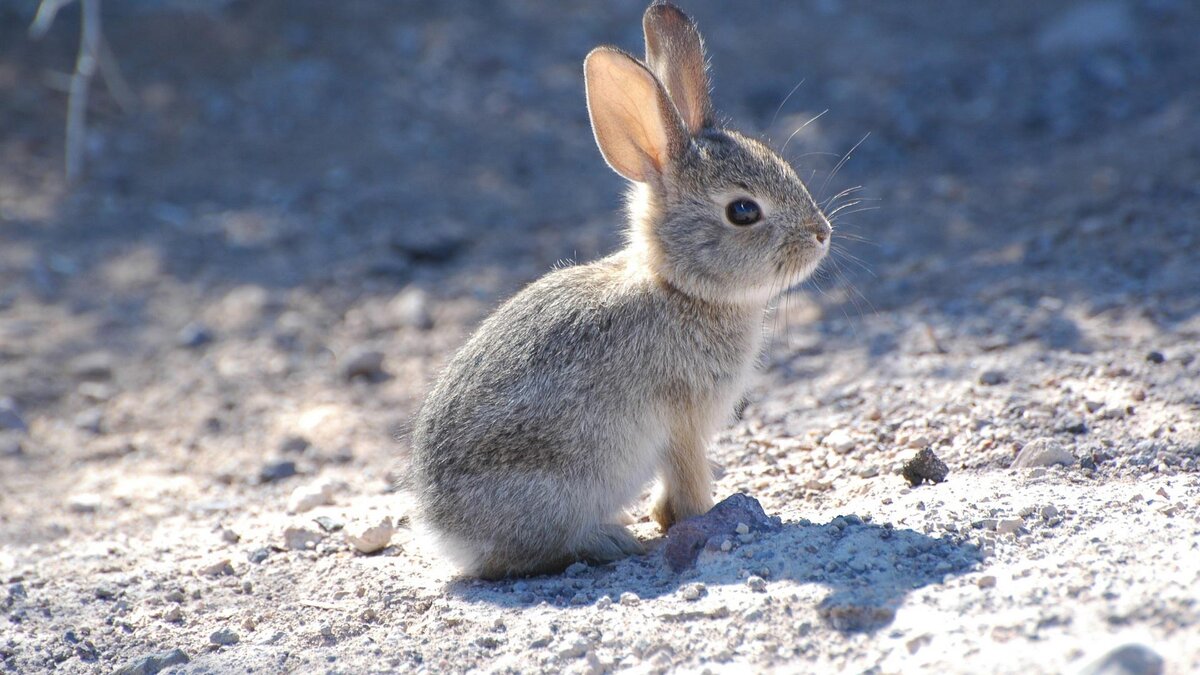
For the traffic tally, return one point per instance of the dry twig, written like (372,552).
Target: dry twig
(94,54)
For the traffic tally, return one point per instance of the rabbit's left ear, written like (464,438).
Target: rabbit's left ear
(675,54)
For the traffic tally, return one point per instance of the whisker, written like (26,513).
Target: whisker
(849,204)
(783,103)
(801,128)
(842,163)
(865,208)
(843,193)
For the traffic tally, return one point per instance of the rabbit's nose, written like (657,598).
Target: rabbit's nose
(822,231)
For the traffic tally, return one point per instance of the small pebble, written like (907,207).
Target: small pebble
(693,592)
(308,497)
(220,568)
(10,416)
(992,377)
(84,503)
(924,466)
(411,309)
(371,539)
(277,470)
(362,363)
(224,637)
(294,445)
(1009,525)
(1155,357)
(1042,452)
(987,581)
(604,602)
(300,539)
(629,599)
(153,663)
(194,335)
(742,528)
(258,555)
(757,584)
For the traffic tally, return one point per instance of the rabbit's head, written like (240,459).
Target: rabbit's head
(715,214)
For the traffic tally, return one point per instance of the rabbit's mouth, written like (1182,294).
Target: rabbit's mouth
(800,263)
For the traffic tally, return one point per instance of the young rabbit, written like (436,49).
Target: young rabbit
(582,388)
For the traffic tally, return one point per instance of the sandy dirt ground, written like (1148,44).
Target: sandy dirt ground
(211,348)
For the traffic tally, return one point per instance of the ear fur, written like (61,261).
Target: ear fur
(675,53)
(636,125)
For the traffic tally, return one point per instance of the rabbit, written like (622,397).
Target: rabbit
(577,392)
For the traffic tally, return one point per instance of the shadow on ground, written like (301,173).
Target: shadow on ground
(869,570)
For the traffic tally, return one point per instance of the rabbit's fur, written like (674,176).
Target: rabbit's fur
(583,387)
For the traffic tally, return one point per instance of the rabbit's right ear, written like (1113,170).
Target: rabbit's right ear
(675,53)
(637,126)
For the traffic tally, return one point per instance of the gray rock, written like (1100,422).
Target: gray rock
(94,366)
(153,663)
(10,416)
(1042,452)
(687,538)
(363,363)
(10,444)
(91,420)
(224,637)
(1131,659)
(294,445)
(992,377)
(411,309)
(1088,26)
(221,568)
(277,470)
(195,335)
(300,539)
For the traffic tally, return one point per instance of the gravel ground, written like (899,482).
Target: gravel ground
(210,349)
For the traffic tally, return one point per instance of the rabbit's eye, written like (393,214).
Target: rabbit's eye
(743,212)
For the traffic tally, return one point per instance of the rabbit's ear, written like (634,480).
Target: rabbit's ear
(636,125)
(675,53)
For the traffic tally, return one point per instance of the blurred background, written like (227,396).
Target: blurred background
(305,206)
(297,210)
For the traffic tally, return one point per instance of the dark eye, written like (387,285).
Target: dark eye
(743,212)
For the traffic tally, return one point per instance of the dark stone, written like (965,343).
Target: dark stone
(258,555)
(294,445)
(10,416)
(685,539)
(1132,659)
(153,663)
(427,245)
(1155,357)
(328,524)
(195,335)
(925,466)
(992,377)
(277,470)
(1073,425)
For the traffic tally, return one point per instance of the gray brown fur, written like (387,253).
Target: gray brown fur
(597,378)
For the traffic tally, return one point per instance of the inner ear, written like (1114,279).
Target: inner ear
(675,53)
(636,126)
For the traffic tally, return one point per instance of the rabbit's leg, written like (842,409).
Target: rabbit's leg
(686,489)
